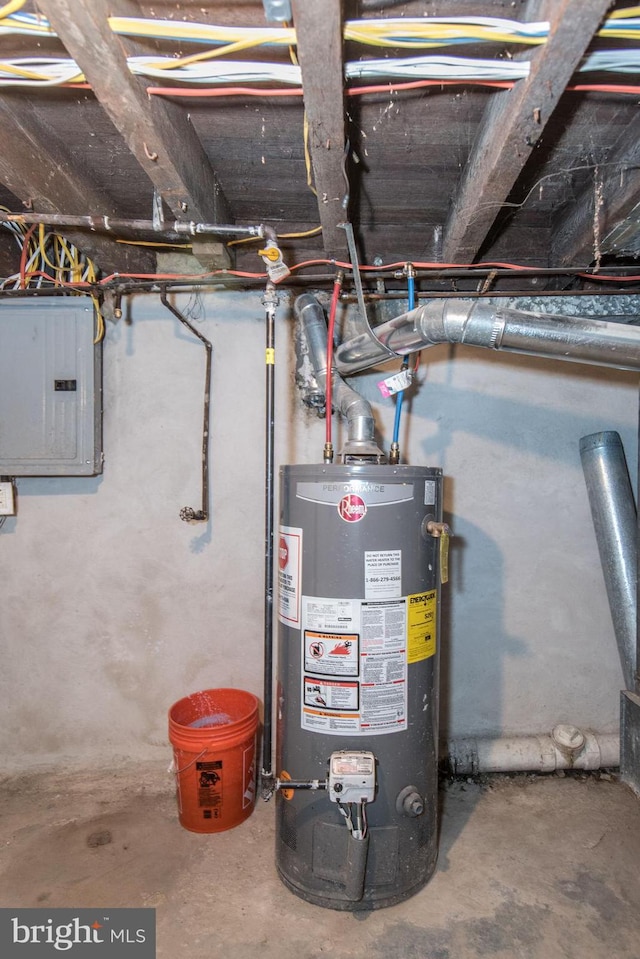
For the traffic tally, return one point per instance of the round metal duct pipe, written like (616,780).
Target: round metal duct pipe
(481,324)
(615,523)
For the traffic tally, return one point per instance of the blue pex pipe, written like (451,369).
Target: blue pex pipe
(411,291)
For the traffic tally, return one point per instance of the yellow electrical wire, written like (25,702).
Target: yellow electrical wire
(307,154)
(200,32)
(392,32)
(425,34)
(12,7)
(7,67)
(73,256)
(174,246)
(100,327)
(279,236)
(170,64)
(74,266)
(43,253)
(625,14)
(299,236)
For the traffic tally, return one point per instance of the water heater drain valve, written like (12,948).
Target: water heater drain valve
(352,776)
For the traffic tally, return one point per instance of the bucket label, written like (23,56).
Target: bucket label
(210,788)
(354,665)
(289,575)
(249,775)
(421,636)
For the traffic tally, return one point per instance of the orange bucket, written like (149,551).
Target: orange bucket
(214,736)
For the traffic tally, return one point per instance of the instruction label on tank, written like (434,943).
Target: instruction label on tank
(331,654)
(382,573)
(364,641)
(330,694)
(289,575)
(421,633)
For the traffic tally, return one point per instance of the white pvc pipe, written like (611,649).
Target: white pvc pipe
(566,747)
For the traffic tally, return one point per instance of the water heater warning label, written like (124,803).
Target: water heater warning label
(289,575)
(354,665)
(331,654)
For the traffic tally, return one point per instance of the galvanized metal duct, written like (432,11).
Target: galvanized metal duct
(614,519)
(482,324)
(353,407)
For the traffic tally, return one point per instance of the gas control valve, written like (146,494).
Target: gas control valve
(352,776)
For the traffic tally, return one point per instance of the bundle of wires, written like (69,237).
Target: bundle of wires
(48,260)
(411,33)
(44,72)
(418,32)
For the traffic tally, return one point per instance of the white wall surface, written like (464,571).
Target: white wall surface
(112,608)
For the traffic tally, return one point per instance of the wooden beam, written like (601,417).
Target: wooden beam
(37,167)
(589,227)
(158,132)
(513,124)
(319,44)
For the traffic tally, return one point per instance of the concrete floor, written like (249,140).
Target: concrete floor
(530,867)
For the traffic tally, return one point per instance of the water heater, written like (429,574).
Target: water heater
(359,552)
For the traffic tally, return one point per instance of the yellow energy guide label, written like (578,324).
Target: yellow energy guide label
(421,626)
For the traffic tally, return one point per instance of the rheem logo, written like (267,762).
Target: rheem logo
(352,508)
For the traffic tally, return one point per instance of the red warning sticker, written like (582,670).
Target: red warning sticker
(289,575)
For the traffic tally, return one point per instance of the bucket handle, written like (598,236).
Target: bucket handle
(194,760)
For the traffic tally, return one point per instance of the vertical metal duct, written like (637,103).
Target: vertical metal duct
(350,404)
(614,520)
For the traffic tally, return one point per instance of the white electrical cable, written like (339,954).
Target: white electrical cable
(218,71)
(437,68)
(612,61)
(43,71)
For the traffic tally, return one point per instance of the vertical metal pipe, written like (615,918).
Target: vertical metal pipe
(187,513)
(270,301)
(615,523)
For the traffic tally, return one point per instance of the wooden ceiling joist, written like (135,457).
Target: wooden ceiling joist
(158,132)
(38,169)
(318,26)
(513,124)
(583,231)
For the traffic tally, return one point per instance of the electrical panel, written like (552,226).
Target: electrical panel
(50,388)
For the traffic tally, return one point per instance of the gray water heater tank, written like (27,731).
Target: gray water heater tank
(358,608)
